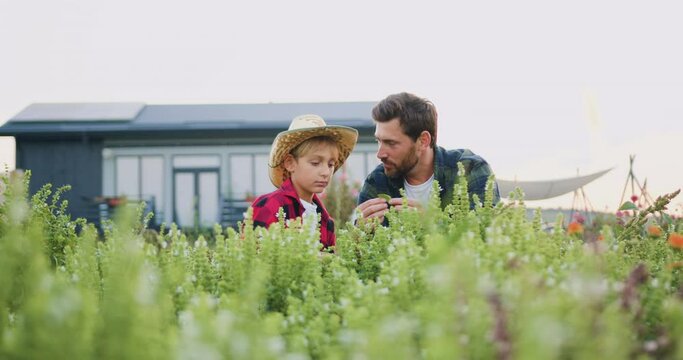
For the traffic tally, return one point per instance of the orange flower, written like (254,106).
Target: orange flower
(654,231)
(676,240)
(574,228)
(674,265)
(601,237)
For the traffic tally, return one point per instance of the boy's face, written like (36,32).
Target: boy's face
(312,171)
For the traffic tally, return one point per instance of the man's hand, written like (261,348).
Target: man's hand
(378,207)
(398,204)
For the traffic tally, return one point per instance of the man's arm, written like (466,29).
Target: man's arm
(477,178)
(367,192)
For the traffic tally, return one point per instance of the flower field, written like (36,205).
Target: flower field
(438,284)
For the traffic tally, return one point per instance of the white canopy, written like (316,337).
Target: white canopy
(546,189)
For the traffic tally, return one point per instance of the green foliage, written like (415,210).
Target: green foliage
(454,283)
(340,198)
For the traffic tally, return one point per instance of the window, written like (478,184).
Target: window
(249,175)
(360,164)
(153,181)
(355,167)
(262,184)
(241,176)
(372,161)
(196,190)
(128,176)
(196,161)
(141,178)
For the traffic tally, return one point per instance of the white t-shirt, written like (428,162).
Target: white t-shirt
(310,211)
(419,192)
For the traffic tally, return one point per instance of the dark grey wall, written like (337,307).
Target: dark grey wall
(75,162)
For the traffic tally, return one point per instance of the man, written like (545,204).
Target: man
(411,160)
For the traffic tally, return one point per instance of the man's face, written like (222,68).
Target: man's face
(397,151)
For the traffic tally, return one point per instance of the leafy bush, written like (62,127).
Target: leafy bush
(340,198)
(452,283)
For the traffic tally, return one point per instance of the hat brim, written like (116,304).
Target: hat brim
(285,141)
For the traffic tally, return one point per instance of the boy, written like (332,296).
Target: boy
(302,162)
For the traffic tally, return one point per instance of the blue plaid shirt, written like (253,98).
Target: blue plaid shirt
(477,171)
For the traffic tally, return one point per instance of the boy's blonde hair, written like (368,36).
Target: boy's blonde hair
(309,145)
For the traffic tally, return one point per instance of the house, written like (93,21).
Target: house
(192,164)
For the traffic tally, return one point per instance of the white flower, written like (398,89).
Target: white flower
(650,346)
(276,345)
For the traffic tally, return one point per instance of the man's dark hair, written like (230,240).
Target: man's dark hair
(415,114)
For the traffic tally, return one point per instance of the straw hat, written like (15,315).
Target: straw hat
(302,128)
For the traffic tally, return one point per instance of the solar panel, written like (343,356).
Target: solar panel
(67,112)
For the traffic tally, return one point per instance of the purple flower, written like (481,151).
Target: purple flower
(579,218)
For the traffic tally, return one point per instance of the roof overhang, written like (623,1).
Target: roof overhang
(546,189)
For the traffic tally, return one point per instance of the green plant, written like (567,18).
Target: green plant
(340,198)
(455,283)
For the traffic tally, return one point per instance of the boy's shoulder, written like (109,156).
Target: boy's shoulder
(276,197)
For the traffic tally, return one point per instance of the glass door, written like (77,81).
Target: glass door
(196,197)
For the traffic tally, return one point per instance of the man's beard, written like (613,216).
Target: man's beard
(401,170)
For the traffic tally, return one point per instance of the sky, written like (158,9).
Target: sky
(542,90)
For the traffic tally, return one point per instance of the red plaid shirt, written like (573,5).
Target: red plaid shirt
(267,206)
